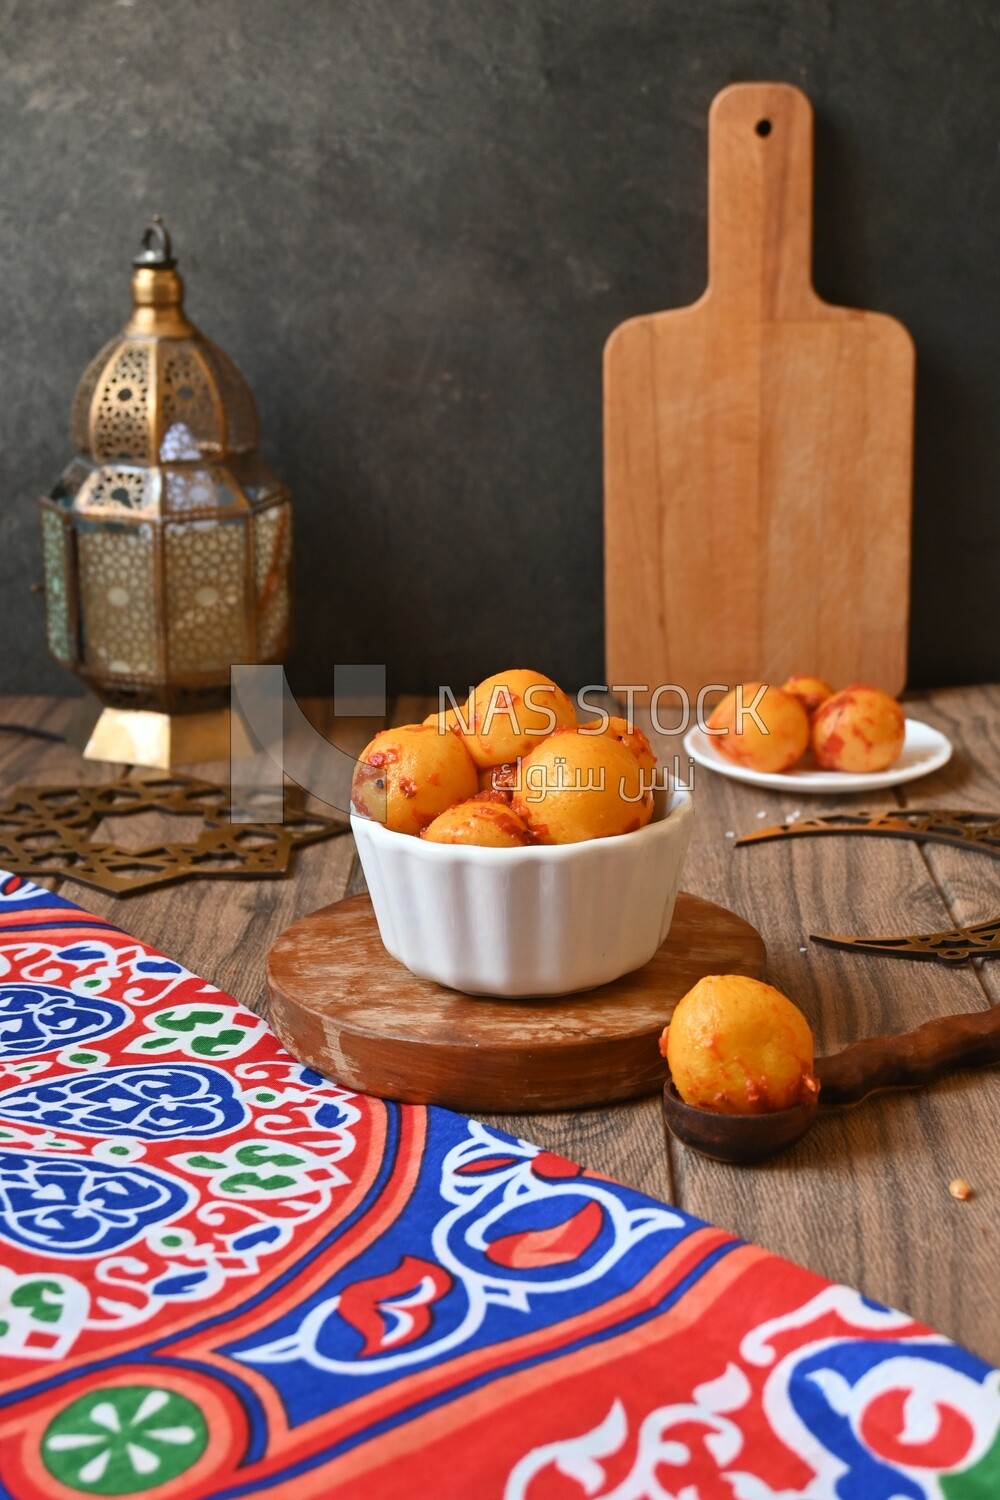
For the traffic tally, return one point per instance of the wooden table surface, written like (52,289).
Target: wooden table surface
(864,1197)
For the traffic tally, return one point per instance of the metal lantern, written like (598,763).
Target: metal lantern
(167,540)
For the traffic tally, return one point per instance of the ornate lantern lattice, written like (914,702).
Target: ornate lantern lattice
(167,540)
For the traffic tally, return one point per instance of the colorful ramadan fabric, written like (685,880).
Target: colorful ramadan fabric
(222,1275)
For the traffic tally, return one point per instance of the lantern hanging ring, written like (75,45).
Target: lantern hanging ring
(156,247)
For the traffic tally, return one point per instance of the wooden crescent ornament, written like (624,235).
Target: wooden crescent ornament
(961,829)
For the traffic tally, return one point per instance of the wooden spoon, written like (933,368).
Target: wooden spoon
(735,1138)
(865,1067)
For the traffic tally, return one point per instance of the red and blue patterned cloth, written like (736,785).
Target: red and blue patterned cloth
(222,1275)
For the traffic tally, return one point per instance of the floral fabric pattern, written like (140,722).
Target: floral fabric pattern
(223,1275)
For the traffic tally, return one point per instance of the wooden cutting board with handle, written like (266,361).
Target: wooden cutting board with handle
(758,446)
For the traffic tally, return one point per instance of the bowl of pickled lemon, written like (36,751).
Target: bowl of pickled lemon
(510,850)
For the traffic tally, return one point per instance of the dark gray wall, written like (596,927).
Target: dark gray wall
(413,224)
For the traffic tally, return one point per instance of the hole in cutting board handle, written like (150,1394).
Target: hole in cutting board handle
(763,127)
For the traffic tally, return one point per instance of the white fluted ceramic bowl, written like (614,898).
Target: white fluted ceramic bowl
(546,920)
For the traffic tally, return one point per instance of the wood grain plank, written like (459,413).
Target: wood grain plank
(751,433)
(864,1197)
(26,761)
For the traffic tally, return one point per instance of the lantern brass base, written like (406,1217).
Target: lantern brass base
(137,737)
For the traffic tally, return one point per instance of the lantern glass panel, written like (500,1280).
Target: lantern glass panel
(118,488)
(206,570)
(56,561)
(256,480)
(192,491)
(71,481)
(118,600)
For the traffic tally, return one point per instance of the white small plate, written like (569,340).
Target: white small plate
(924,750)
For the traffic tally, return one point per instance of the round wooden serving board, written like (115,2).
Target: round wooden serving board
(340,1004)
